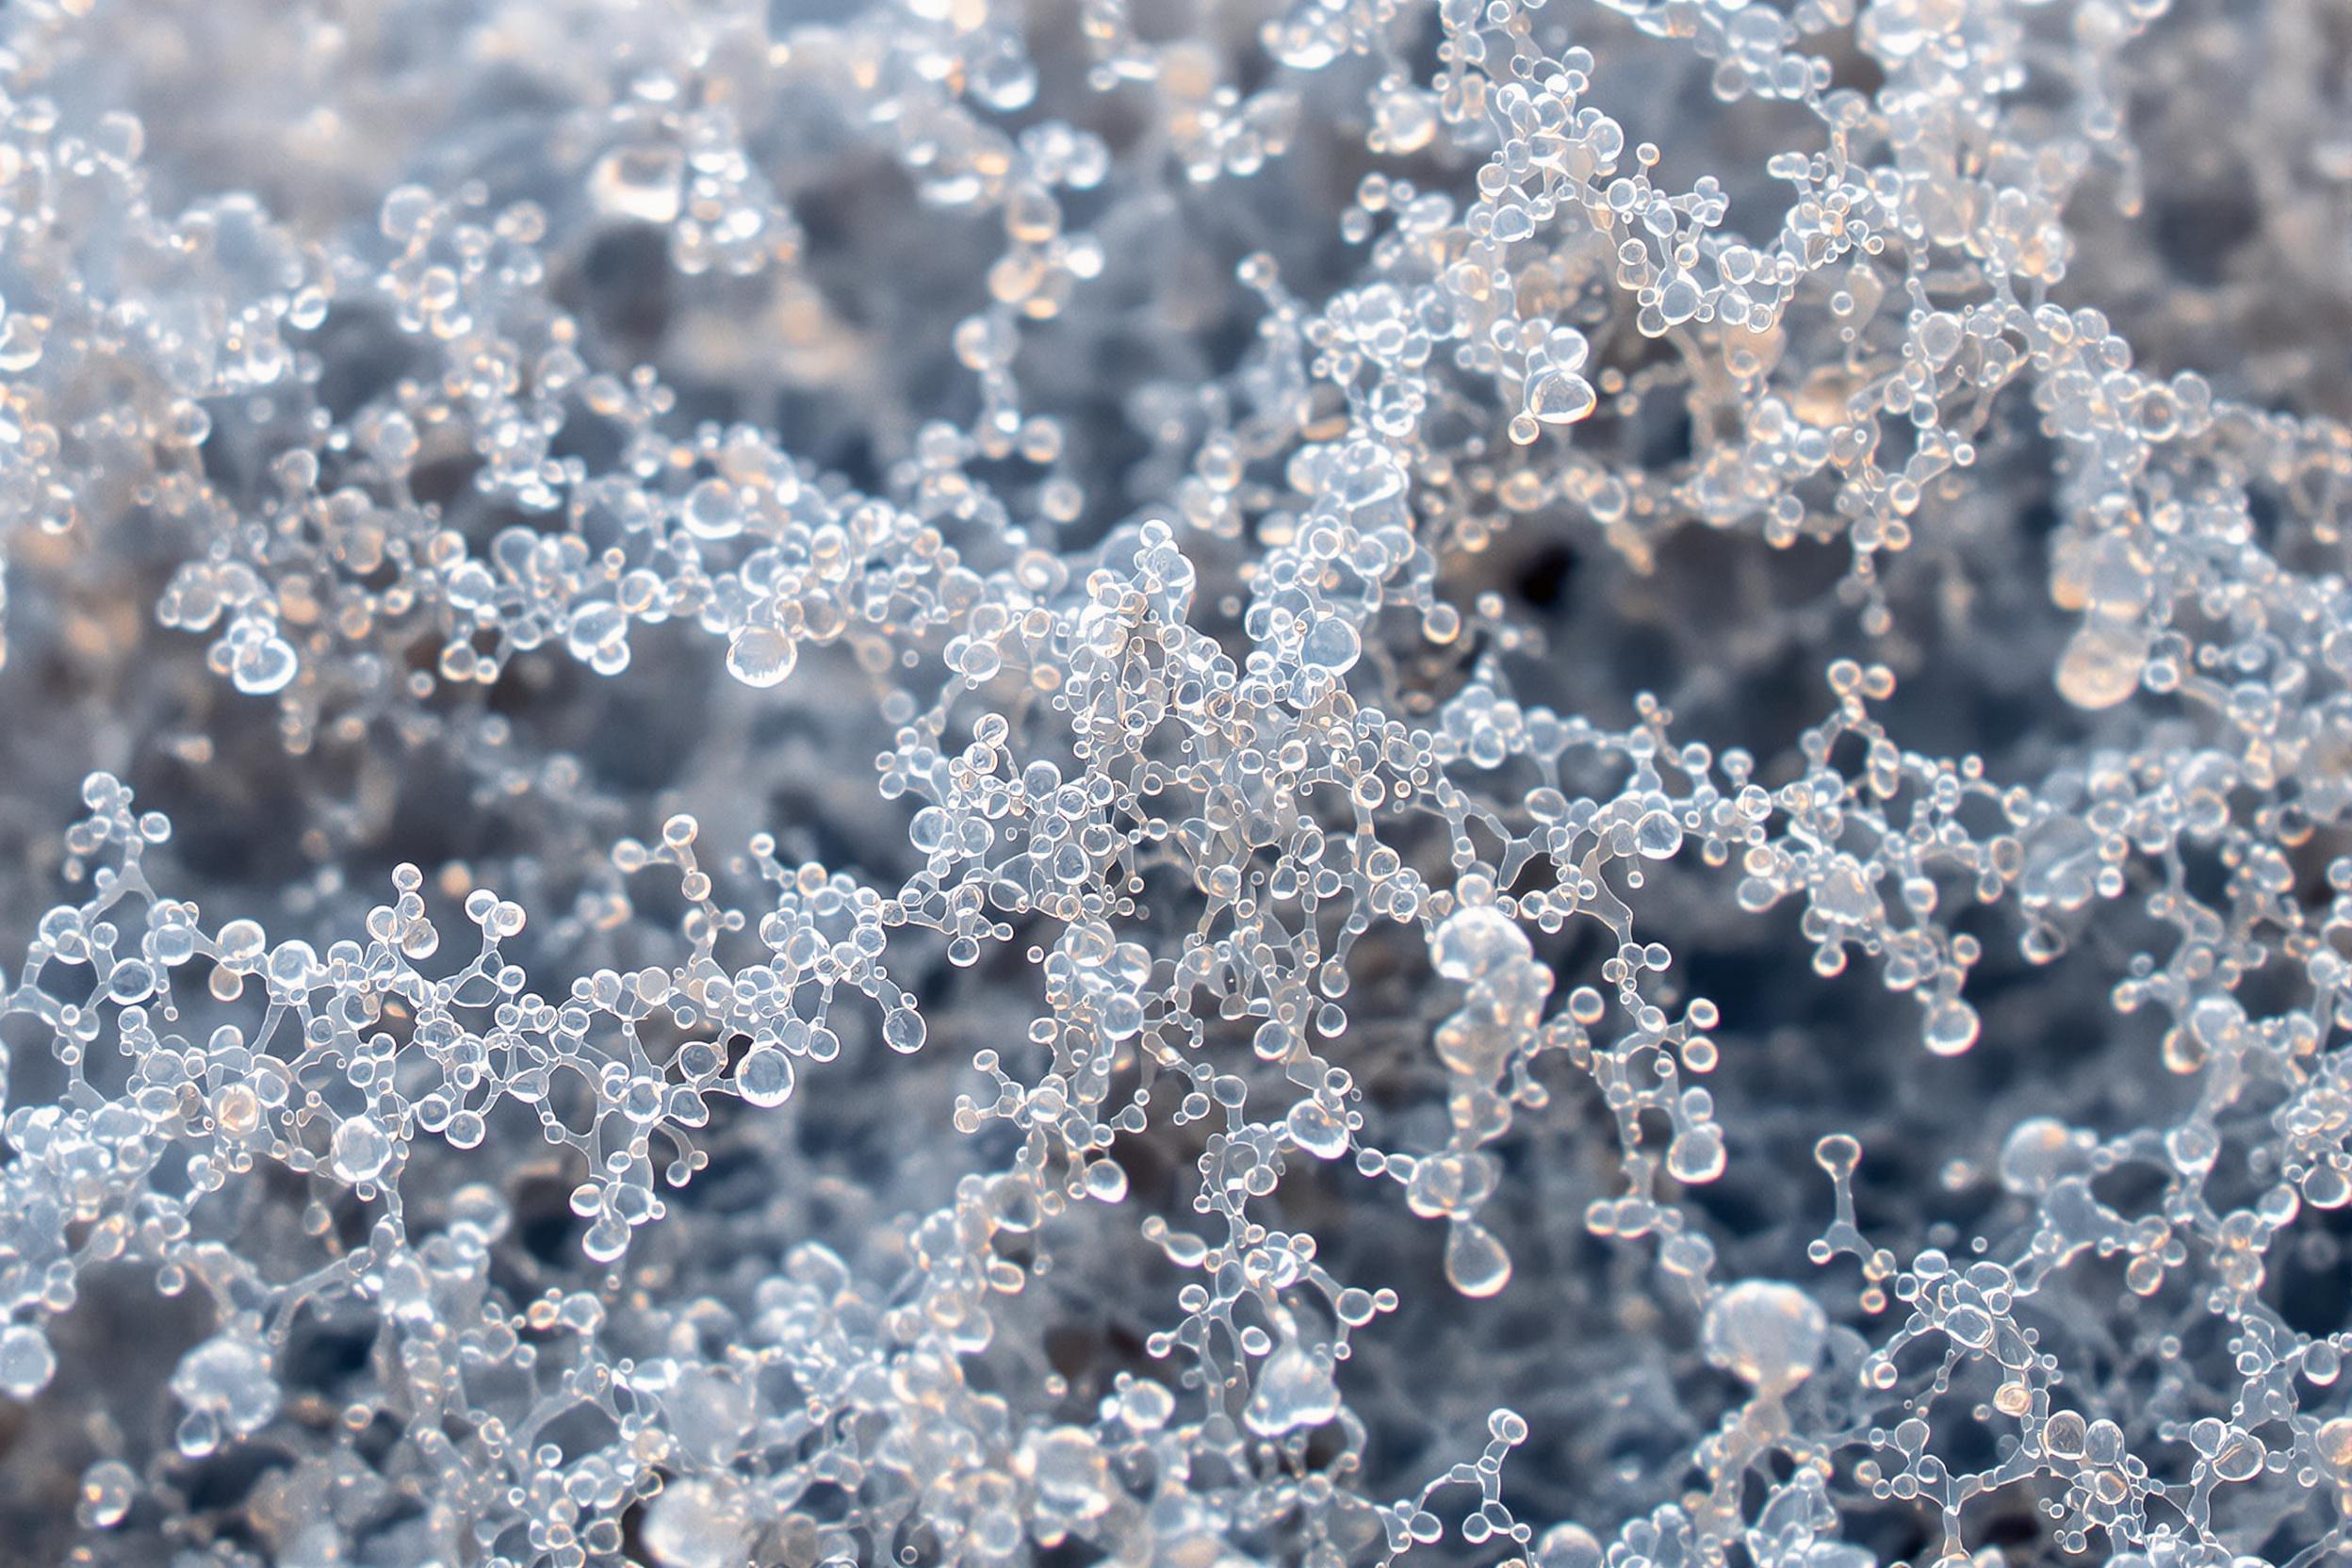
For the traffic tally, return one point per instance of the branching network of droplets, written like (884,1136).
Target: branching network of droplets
(1042,781)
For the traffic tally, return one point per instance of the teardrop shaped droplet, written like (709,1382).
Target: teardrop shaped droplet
(761,656)
(1476,1263)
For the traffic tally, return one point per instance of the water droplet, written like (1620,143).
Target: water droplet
(1294,1389)
(131,980)
(2103,663)
(262,665)
(1004,78)
(2240,1457)
(1317,1130)
(1696,1158)
(1475,1263)
(1659,835)
(1568,1546)
(1769,1333)
(597,631)
(1476,941)
(19,345)
(765,1077)
(1951,1028)
(1107,1182)
(2039,1152)
(1968,1326)
(761,656)
(1331,643)
(1145,1406)
(1407,119)
(227,1379)
(361,1149)
(2335,1446)
(606,1239)
(696,1524)
(903,1029)
(108,1488)
(1560,398)
(1845,896)
(1071,1472)
(712,511)
(27,1363)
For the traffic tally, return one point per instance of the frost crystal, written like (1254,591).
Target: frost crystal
(975,782)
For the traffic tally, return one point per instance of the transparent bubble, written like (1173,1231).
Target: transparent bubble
(1476,941)
(1560,398)
(263,665)
(361,1149)
(2103,663)
(765,1077)
(903,1029)
(1568,1546)
(696,1524)
(2335,1446)
(712,510)
(1071,1473)
(1768,1333)
(1697,1156)
(227,1379)
(109,1488)
(27,1363)
(2040,1152)
(1659,835)
(761,656)
(1331,643)
(1407,119)
(1292,1389)
(1951,1027)
(1475,1263)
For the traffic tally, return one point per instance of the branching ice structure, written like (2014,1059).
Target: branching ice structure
(1402,567)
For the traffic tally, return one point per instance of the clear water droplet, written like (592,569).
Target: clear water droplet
(1568,1546)
(226,1379)
(1768,1333)
(1560,398)
(263,665)
(696,1524)
(108,1489)
(1407,119)
(1696,1158)
(1331,643)
(1951,1027)
(1659,835)
(2103,662)
(764,1078)
(1294,1389)
(761,656)
(903,1029)
(361,1149)
(1476,941)
(27,1363)
(712,511)
(1475,1263)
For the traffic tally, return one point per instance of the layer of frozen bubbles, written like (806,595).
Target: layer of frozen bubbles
(922,782)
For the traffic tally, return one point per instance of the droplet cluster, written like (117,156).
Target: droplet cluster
(950,783)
